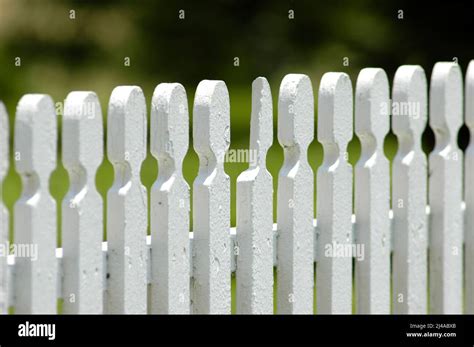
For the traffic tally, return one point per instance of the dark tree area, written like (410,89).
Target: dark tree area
(203,44)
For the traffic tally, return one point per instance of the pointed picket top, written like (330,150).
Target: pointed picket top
(127,202)
(211,291)
(34,153)
(82,221)
(297,112)
(372,189)
(446,102)
(82,121)
(335,125)
(261,123)
(170,126)
(126,140)
(211,128)
(469,191)
(409,192)
(372,106)
(4,165)
(445,190)
(255,212)
(335,119)
(170,201)
(295,197)
(35,211)
(410,104)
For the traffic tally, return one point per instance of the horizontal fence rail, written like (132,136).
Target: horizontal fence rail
(379,244)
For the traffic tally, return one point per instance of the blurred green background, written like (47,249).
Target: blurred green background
(60,54)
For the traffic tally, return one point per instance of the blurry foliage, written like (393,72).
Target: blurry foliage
(59,54)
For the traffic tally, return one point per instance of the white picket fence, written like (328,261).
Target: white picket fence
(177,271)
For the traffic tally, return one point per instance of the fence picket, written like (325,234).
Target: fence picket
(335,119)
(445,190)
(170,201)
(127,202)
(255,212)
(409,192)
(211,200)
(177,271)
(4,164)
(35,211)
(469,192)
(295,240)
(82,221)
(372,189)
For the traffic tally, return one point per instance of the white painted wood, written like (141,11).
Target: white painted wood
(170,201)
(409,192)
(211,292)
(469,192)
(372,192)
(35,211)
(293,244)
(255,212)
(11,270)
(295,215)
(445,190)
(82,208)
(4,164)
(334,269)
(127,202)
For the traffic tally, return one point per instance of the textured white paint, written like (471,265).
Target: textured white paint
(170,201)
(445,190)
(255,212)
(469,192)
(4,164)
(409,192)
(211,200)
(258,244)
(372,189)
(295,197)
(335,119)
(82,221)
(127,202)
(11,271)
(35,211)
